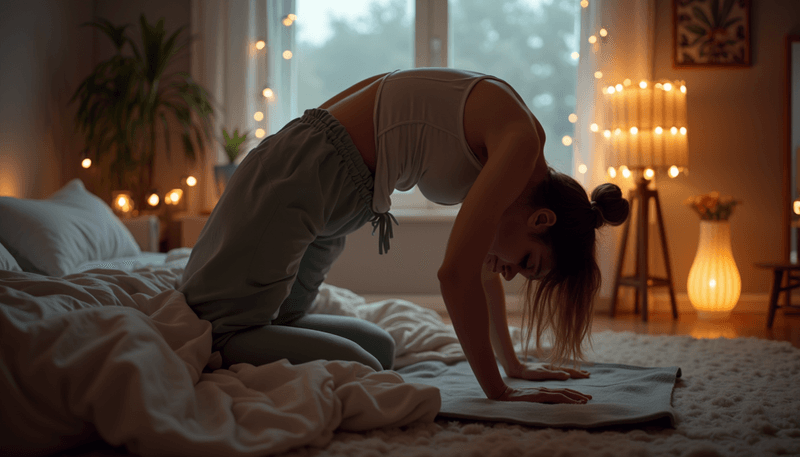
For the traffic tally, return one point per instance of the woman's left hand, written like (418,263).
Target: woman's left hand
(544,372)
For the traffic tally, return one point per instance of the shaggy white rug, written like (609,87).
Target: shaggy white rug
(737,397)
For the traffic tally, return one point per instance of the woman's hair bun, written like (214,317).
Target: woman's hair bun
(607,200)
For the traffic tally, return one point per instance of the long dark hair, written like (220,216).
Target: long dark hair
(562,302)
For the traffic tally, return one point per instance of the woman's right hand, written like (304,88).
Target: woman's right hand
(544,395)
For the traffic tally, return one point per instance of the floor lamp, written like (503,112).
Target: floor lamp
(646,134)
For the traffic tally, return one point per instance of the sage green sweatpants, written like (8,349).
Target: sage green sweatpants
(271,239)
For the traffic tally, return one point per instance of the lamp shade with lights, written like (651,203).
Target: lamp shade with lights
(645,126)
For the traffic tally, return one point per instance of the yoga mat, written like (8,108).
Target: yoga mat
(621,395)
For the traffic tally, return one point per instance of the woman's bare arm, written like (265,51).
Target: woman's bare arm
(515,160)
(498,330)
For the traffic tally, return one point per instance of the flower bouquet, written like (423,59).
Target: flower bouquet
(712,207)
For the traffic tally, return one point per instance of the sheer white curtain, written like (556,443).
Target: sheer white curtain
(228,60)
(626,51)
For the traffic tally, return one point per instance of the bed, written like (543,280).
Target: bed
(101,355)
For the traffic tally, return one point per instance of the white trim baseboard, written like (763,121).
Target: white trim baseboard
(658,302)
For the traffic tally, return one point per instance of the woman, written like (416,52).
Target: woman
(462,137)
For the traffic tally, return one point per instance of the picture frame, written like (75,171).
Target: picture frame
(711,33)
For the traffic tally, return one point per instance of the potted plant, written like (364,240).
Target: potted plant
(127,102)
(233,147)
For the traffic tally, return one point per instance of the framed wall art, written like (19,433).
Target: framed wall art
(711,33)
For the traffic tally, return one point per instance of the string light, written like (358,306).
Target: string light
(594,127)
(683,89)
(123,202)
(260,44)
(649,173)
(260,133)
(643,84)
(627,82)
(86,163)
(575,55)
(634,130)
(626,173)
(292,16)
(153,199)
(683,130)
(667,87)
(585,3)
(191,181)
(566,140)
(673,130)
(612,172)
(607,133)
(582,169)
(173,197)
(659,130)
(258,116)
(287,54)
(618,87)
(611,89)
(573,118)
(267,93)
(592,39)
(603,32)
(673,171)
(598,74)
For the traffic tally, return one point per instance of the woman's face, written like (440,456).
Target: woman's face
(517,248)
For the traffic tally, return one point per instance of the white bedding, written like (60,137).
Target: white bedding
(120,354)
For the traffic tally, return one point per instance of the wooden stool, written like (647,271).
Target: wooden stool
(780,270)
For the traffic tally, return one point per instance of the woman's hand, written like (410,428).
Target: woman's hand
(544,395)
(543,372)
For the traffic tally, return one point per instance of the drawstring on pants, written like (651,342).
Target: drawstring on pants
(381,221)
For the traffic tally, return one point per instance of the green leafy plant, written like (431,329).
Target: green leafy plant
(233,144)
(125,104)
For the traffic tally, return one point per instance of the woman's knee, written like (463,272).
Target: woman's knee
(373,339)
(383,349)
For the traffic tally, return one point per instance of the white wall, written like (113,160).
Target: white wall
(43,55)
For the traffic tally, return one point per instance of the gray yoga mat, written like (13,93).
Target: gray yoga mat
(621,395)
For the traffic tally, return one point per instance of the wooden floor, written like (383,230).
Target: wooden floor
(785,328)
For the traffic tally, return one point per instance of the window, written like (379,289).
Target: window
(531,44)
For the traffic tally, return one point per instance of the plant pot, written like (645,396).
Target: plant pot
(222,175)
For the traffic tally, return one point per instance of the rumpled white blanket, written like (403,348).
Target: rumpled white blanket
(121,355)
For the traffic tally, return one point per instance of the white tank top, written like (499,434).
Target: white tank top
(419,135)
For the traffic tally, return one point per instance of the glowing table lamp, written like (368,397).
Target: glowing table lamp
(644,133)
(714,284)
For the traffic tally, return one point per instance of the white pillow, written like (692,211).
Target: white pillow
(56,235)
(7,261)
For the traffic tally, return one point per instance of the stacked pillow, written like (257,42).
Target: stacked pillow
(56,235)
(7,261)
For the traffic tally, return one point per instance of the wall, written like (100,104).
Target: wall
(43,56)
(45,53)
(735,142)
